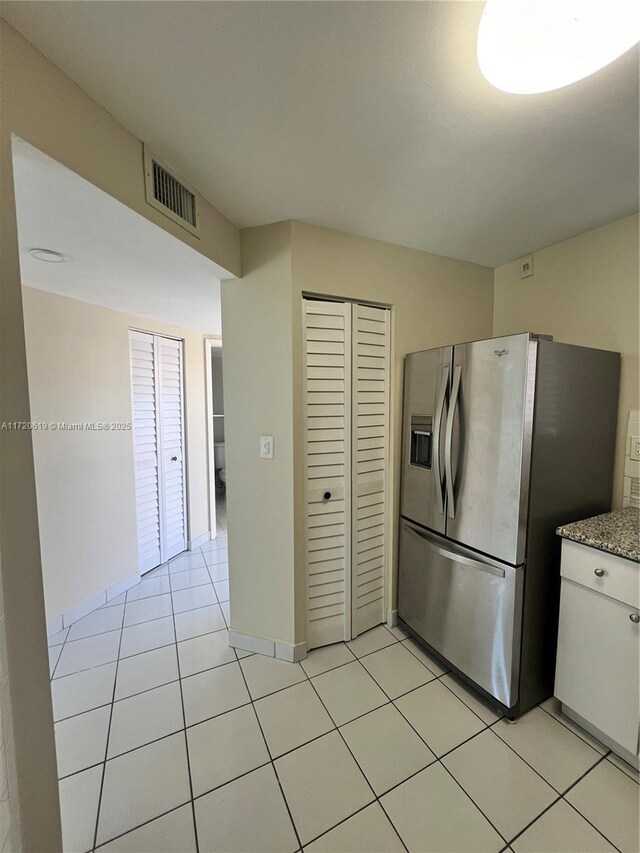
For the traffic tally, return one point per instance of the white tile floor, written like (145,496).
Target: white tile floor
(168,740)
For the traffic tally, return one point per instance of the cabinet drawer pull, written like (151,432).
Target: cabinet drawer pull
(635,617)
(599,573)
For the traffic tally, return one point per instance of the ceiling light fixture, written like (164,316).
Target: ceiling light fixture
(531,46)
(47,255)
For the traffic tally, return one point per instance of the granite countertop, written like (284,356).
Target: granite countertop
(616,532)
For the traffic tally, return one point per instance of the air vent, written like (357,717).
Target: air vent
(170,194)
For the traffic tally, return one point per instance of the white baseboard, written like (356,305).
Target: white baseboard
(57,623)
(192,544)
(80,610)
(251,643)
(597,733)
(292,652)
(392,618)
(117,589)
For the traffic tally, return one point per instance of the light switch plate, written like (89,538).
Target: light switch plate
(635,447)
(266,447)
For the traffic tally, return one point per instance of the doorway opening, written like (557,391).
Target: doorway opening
(215,418)
(135,612)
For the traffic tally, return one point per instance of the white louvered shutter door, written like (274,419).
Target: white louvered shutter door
(370,456)
(172,479)
(145,448)
(327,361)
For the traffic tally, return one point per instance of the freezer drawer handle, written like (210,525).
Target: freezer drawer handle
(437,473)
(448,439)
(458,558)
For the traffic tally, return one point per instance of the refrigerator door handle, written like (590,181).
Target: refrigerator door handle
(437,473)
(448,441)
(453,555)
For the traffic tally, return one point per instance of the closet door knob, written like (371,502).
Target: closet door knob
(326,496)
(599,573)
(174,458)
(635,617)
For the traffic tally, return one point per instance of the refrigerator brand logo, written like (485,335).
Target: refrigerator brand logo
(501,352)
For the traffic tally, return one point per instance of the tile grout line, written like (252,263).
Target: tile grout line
(149,689)
(490,726)
(436,677)
(136,625)
(271,760)
(569,803)
(437,757)
(486,726)
(106,747)
(144,598)
(537,772)
(342,737)
(140,825)
(215,592)
(147,576)
(557,799)
(57,664)
(156,740)
(473,802)
(113,700)
(592,825)
(184,720)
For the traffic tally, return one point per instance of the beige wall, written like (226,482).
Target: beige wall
(435,301)
(78,364)
(258,399)
(41,105)
(583,291)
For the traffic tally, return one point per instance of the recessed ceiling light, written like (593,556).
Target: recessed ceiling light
(47,255)
(529,46)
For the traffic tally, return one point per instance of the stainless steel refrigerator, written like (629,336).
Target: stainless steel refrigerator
(504,439)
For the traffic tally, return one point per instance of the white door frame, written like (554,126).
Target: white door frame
(209,344)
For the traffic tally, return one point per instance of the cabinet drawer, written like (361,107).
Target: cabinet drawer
(616,577)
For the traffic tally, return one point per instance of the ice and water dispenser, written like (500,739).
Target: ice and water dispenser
(421,440)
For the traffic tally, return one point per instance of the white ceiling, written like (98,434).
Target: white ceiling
(115,257)
(368,117)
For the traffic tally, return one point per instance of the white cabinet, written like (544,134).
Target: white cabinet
(597,671)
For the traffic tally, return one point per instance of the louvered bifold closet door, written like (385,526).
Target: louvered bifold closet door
(158,447)
(145,448)
(172,474)
(327,364)
(370,464)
